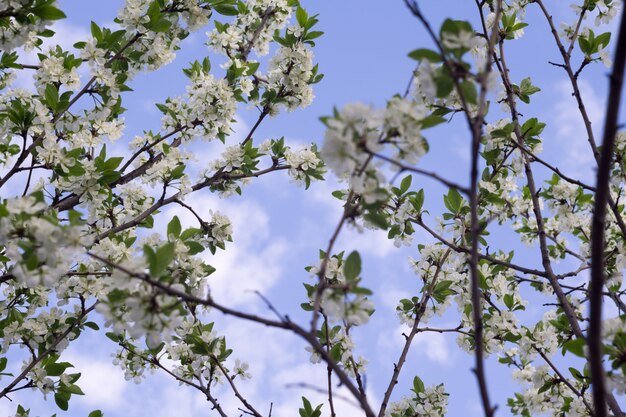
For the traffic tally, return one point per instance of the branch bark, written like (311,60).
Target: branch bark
(594,340)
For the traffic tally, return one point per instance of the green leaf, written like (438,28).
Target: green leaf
(62,401)
(602,40)
(308,411)
(96,32)
(470,94)
(427,54)
(73,389)
(418,385)
(48,12)
(114,337)
(545,387)
(92,325)
(162,258)
(313,35)
(335,352)
(442,291)
(584,45)
(453,200)
(418,201)
(444,85)
(96,413)
(112,163)
(174,228)
(352,266)
(57,369)
(455,27)
(576,374)
(154,11)
(377,219)
(301,16)
(575,346)
(406,184)
(189,233)
(431,121)
(52,96)
(226,9)
(194,247)
(161,25)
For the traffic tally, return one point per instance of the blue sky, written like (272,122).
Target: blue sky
(279,227)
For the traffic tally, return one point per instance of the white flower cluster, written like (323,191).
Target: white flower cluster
(435,265)
(19,25)
(432,401)
(339,340)
(160,31)
(221,229)
(289,73)
(333,270)
(132,363)
(353,311)
(55,68)
(304,164)
(253,29)
(403,118)
(401,219)
(607,11)
(43,251)
(461,40)
(350,135)
(207,109)
(355,126)
(548,394)
(133,307)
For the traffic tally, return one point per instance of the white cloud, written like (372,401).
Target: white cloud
(250,262)
(391,295)
(7,409)
(431,345)
(370,242)
(320,194)
(101,381)
(577,154)
(315,376)
(176,401)
(259,346)
(434,346)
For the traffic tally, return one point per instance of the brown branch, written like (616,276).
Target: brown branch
(598,223)
(475,227)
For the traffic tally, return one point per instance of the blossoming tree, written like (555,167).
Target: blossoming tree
(75,220)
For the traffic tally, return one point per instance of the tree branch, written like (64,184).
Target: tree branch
(594,340)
